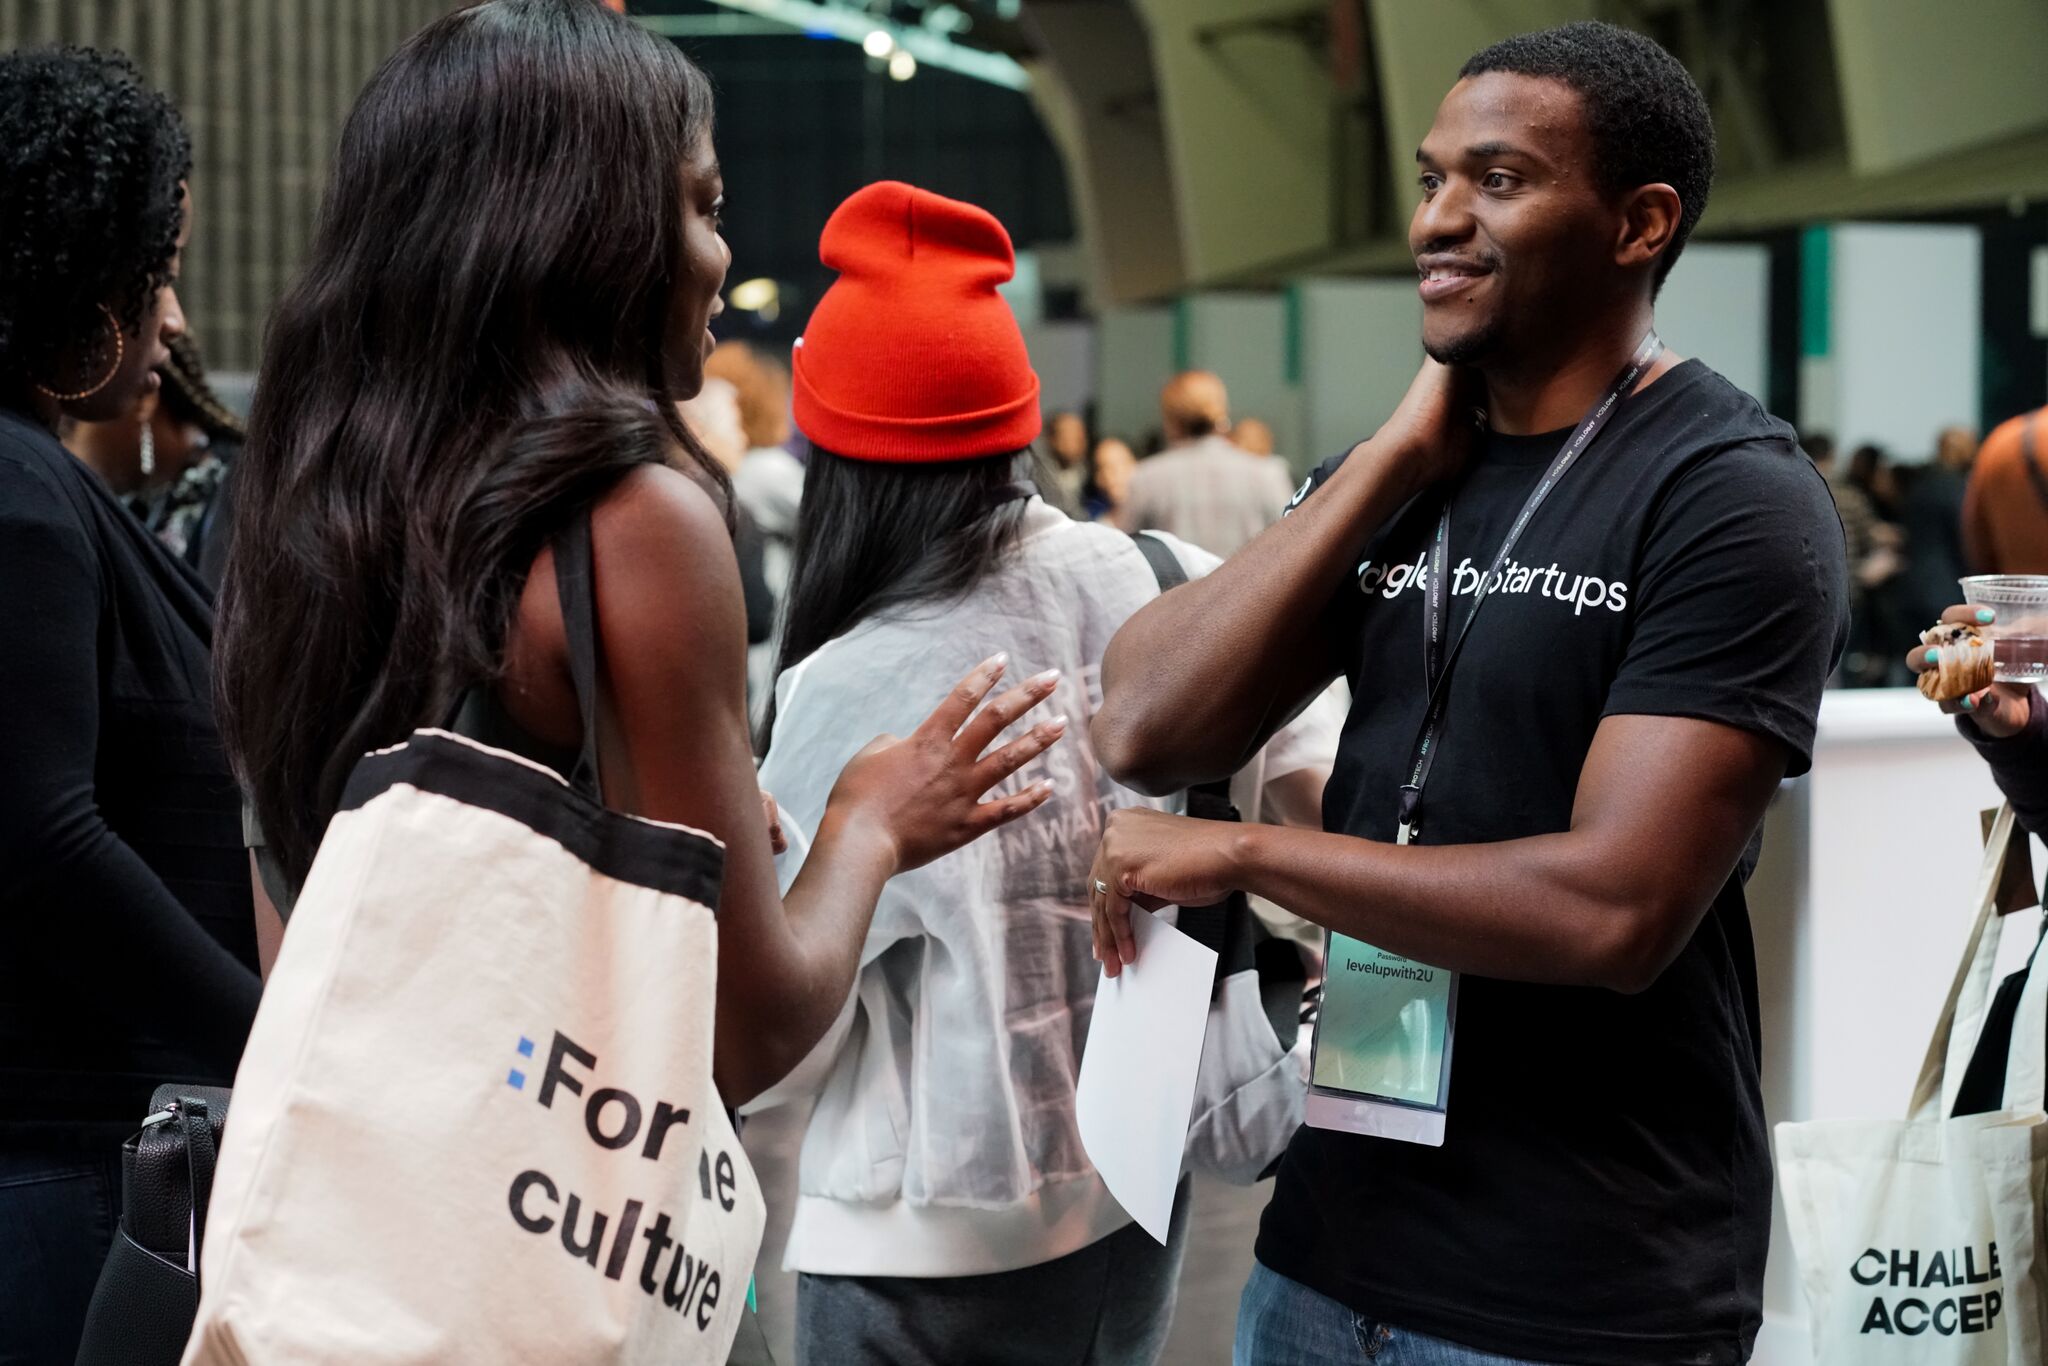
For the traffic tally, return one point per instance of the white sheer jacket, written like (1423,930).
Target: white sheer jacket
(944,1142)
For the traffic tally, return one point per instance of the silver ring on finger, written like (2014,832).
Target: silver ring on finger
(1101,887)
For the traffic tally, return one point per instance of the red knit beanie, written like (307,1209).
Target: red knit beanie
(912,355)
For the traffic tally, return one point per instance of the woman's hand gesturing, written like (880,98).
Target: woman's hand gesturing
(922,795)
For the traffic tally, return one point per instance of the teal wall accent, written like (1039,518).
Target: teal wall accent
(1816,272)
(1291,366)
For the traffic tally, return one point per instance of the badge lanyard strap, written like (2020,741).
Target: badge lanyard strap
(1437,663)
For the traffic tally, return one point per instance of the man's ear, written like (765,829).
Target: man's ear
(1649,225)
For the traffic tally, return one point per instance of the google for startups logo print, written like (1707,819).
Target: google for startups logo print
(615,1120)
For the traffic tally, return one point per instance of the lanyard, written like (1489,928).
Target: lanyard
(1437,662)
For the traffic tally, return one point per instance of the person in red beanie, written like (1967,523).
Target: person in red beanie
(947,1210)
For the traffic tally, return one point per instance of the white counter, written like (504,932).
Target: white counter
(1857,908)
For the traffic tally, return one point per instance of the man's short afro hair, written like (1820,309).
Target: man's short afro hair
(1647,118)
(91,161)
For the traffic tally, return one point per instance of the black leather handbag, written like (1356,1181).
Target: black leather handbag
(143,1308)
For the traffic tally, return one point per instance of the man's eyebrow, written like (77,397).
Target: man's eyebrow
(1481,151)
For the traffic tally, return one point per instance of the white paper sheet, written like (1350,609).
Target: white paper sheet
(1137,1085)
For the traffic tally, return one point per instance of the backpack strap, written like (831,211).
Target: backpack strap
(575,586)
(1166,566)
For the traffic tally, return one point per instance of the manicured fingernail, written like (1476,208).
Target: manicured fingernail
(1969,704)
(1933,657)
(1057,723)
(1044,680)
(998,661)
(1050,785)
(1985,616)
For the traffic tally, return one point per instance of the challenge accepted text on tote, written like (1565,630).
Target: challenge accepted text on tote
(1901,1268)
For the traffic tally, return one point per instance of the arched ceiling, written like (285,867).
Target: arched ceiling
(1221,142)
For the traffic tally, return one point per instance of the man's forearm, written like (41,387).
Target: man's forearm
(1542,909)
(1195,681)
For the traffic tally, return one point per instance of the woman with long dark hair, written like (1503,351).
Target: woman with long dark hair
(508,290)
(126,958)
(947,1212)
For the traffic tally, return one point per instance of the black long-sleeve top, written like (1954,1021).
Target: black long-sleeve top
(2019,763)
(127,949)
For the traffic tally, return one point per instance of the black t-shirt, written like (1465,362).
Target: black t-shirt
(1603,1191)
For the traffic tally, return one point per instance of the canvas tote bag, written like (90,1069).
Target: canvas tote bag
(475,1120)
(1920,1240)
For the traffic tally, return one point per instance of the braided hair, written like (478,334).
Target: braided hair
(187,396)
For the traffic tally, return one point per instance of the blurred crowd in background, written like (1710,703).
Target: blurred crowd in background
(1914,528)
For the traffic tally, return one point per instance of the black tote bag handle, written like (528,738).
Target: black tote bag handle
(575,586)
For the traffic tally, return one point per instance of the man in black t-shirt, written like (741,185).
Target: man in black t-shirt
(1647,668)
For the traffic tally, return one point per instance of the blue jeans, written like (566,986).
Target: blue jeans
(1281,1322)
(57,1217)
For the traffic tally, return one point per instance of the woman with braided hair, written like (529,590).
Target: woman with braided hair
(126,949)
(197,437)
(168,460)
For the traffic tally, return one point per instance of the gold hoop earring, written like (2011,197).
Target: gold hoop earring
(120,348)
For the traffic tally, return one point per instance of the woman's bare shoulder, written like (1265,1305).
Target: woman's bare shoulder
(665,570)
(667,594)
(662,513)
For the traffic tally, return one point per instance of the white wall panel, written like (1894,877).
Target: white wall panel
(1361,343)
(1242,336)
(1905,332)
(1716,306)
(1134,356)
(1063,353)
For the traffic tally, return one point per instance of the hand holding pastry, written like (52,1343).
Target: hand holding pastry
(1956,662)
(1955,668)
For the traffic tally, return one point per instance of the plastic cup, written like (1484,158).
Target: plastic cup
(2019,640)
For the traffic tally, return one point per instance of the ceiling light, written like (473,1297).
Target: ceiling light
(878,44)
(902,66)
(755,296)
(855,26)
